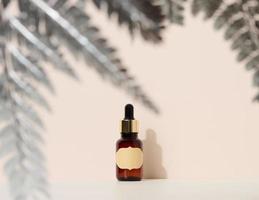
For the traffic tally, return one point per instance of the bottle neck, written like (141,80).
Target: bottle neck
(131,136)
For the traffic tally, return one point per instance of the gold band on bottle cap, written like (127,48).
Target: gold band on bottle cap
(129,126)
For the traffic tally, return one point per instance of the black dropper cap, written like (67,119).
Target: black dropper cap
(129,124)
(129,112)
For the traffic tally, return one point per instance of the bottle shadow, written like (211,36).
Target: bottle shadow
(153,156)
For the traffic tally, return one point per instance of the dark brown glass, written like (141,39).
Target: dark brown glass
(129,140)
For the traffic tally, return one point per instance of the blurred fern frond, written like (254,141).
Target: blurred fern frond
(20,137)
(71,26)
(41,46)
(144,15)
(174,11)
(34,35)
(241,22)
(41,29)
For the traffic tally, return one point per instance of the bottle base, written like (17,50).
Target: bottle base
(129,179)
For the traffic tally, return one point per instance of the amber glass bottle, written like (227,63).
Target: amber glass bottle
(129,155)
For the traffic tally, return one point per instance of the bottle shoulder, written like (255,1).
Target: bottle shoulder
(122,140)
(124,143)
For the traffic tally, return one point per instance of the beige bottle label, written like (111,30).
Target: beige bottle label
(129,158)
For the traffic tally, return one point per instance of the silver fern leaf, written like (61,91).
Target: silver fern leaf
(27,64)
(241,26)
(84,40)
(25,88)
(19,138)
(144,15)
(39,28)
(43,48)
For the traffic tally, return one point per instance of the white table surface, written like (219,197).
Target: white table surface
(153,189)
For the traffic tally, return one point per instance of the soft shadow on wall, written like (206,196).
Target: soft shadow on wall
(153,157)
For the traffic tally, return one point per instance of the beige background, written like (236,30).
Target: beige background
(208,128)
